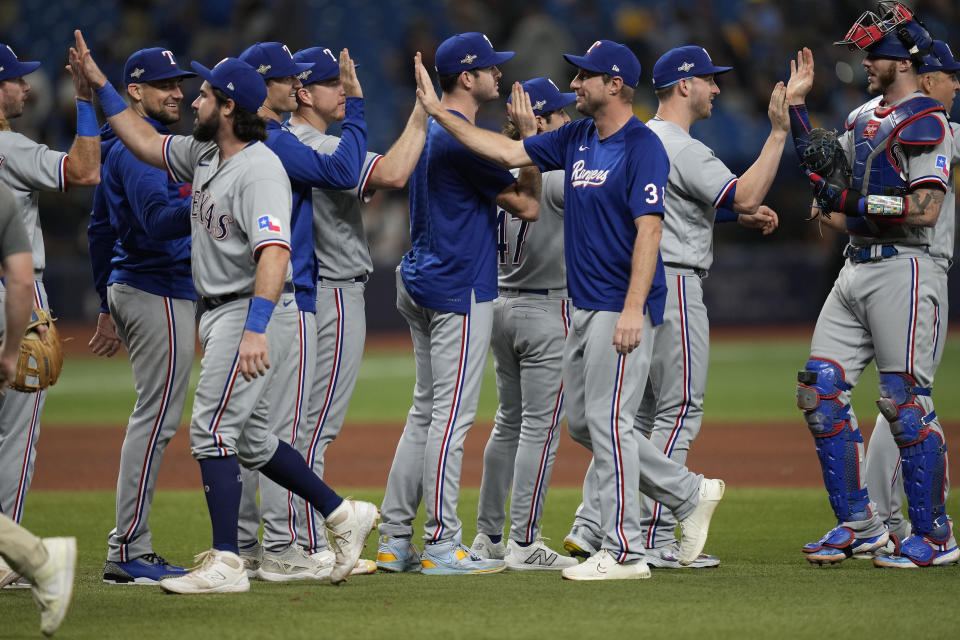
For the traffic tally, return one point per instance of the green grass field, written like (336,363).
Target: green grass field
(750,381)
(764,588)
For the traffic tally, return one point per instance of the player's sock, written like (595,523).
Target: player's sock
(289,470)
(524,544)
(222,488)
(495,539)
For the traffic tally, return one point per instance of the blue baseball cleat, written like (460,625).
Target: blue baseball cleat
(920,551)
(841,543)
(397,555)
(145,570)
(453,559)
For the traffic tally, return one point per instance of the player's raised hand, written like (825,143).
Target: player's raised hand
(348,76)
(628,331)
(765,219)
(521,111)
(80,83)
(778,110)
(426,94)
(84,62)
(801,77)
(252,355)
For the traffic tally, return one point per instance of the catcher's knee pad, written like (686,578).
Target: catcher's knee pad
(898,404)
(924,482)
(819,387)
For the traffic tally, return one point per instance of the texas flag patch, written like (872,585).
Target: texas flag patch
(943,165)
(269,223)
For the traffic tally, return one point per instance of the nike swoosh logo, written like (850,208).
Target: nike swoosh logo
(287,303)
(583,148)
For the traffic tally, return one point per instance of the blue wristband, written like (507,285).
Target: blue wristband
(726,215)
(86,119)
(110,100)
(258,315)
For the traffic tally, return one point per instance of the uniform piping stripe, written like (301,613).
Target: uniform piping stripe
(539,487)
(222,405)
(723,192)
(263,244)
(165,152)
(912,318)
(451,423)
(147,465)
(685,404)
(365,179)
(297,413)
(62,172)
(896,470)
(937,180)
(936,329)
(327,402)
(618,459)
(31,432)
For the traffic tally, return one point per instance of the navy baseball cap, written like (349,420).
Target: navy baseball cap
(326,66)
(940,59)
(273,60)
(11,67)
(683,62)
(545,96)
(155,63)
(466,51)
(238,80)
(607,56)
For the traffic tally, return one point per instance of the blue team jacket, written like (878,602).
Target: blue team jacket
(139,232)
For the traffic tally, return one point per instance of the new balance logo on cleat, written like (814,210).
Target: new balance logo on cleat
(542,558)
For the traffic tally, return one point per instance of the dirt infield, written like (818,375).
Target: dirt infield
(780,455)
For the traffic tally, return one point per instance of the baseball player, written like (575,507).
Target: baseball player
(616,172)
(531,318)
(937,80)
(139,238)
(445,287)
(27,168)
(48,564)
(885,303)
(343,257)
(281,559)
(701,190)
(240,235)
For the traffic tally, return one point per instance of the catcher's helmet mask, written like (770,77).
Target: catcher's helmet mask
(869,33)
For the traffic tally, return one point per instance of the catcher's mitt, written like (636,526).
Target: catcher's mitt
(40,360)
(826,165)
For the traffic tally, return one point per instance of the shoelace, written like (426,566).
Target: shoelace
(153,558)
(204,559)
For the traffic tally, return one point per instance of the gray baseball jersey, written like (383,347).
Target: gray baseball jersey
(338,234)
(13,237)
(530,322)
(26,167)
(697,184)
(239,207)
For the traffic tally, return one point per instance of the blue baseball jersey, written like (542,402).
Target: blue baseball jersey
(308,168)
(139,232)
(609,183)
(453,225)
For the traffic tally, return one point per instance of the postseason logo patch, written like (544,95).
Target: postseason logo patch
(943,165)
(269,223)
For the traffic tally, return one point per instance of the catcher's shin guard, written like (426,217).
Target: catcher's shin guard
(819,395)
(922,451)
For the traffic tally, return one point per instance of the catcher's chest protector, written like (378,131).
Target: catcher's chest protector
(879,137)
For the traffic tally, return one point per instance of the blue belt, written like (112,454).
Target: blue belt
(213,302)
(870,254)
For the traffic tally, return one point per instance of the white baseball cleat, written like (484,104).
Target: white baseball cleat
(603,566)
(536,556)
(218,572)
(54,582)
(349,525)
(293,564)
(326,558)
(7,575)
(696,525)
(666,558)
(252,557)
(581,542)
(484,547)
